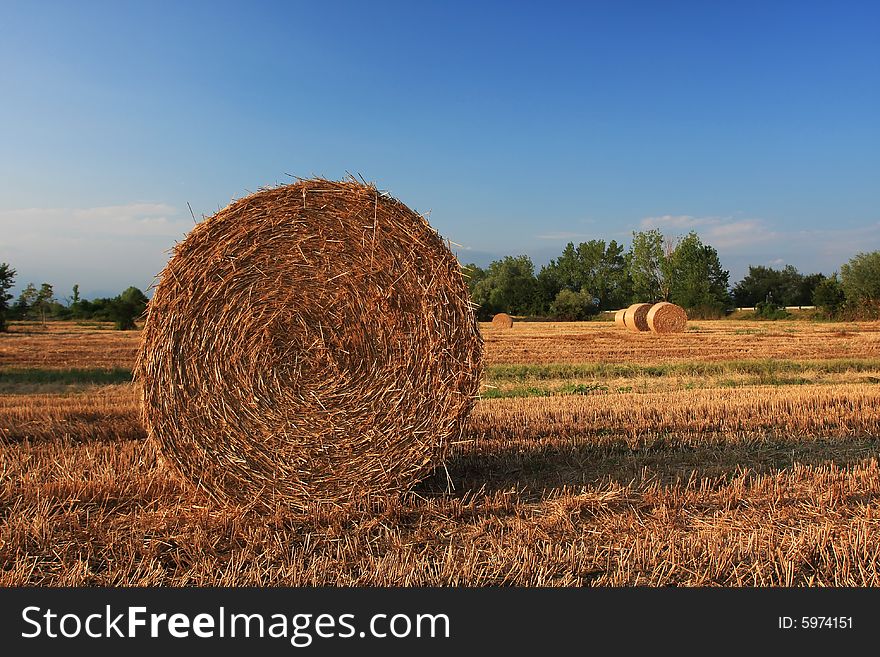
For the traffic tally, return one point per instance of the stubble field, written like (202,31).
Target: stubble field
(738,453)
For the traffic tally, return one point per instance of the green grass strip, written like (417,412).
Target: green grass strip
(66,376)
(534,391)
(694,368)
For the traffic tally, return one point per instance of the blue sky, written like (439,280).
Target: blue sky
(519,126)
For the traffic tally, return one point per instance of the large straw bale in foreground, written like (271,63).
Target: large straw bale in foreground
(311,343)
(635,318)
(665,317)
(502,320)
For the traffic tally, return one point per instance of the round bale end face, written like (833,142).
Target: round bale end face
(309,344)
(502,321)
(635,318)
(665,317)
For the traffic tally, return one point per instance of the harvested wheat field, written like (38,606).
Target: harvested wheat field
(59,345)
(732,454)
(704,340)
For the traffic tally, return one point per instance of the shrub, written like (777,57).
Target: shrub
(769,310)
(829,297)
(573,306)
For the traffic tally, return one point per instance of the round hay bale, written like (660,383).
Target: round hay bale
(635,318)
(665,317)
(502,320)
(309,344)
(618,317)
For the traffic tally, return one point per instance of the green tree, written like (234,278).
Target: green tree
(472,275)
(509,286)
(573,306)
(696,280)
(7,280)
(595,266)
(755,286)
(828,296)
(548,284)
(73,302)
(576,267)
(127,307)
(785,287)
(589,264)
(616,285)
(25,303)
(860,279)
(44,300)
(647,261)
(806,289)
(565,272)
(790,283)
(770,310)
(136,298)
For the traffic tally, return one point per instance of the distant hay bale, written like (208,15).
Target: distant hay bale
(665,317)
(309,344)
(618,317)
(635,318)
(502,320)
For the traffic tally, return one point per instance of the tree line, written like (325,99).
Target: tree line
(40,303)
(593,276)
(585,279)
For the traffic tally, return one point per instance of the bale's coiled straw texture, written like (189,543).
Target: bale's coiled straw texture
(618,317)
(502,320)
(309,344)
(635,318)
(665,317)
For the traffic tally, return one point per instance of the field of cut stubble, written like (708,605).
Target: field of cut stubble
(738,453)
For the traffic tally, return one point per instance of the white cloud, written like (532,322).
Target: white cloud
(101,248)
(840,243)
(748,241)
(675,221)
(133,219)
(720,232)
(745,232)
